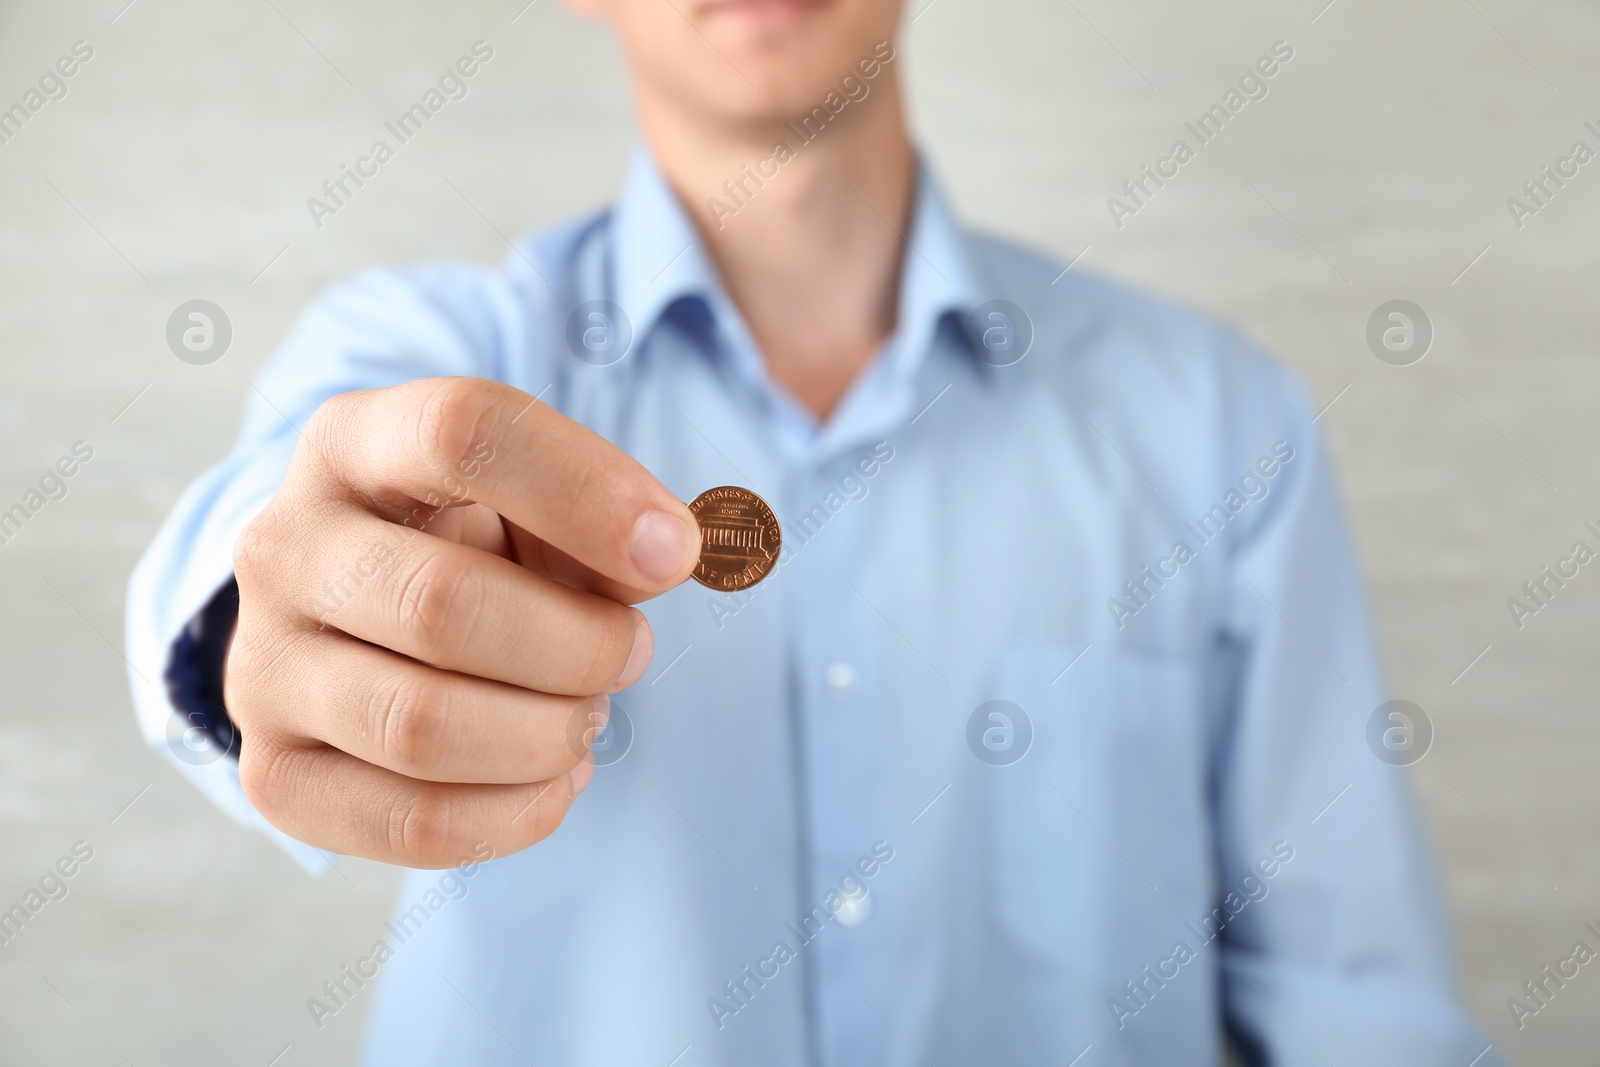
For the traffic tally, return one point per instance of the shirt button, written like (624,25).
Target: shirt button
(841,679)
(855,910)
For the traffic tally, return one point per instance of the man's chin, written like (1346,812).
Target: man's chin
(776,61)
(786,45)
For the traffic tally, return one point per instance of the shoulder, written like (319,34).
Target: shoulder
(1167,365)
(450,316)
(1197,405)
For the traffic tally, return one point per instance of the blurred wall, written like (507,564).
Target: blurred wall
(1377,167)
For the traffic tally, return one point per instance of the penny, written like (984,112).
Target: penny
(739,538)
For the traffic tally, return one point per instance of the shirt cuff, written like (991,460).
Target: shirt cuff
(194,681)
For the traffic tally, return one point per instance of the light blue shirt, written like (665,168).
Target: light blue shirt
(815,838)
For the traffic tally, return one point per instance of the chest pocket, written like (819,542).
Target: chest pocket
(1103,823)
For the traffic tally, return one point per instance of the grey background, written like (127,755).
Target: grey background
(1380,165)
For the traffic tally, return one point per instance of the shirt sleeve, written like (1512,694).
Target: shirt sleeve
(1348,957)
(379,328)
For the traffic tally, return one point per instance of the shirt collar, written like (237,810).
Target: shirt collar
(657,253)
(937,277)
(658,258)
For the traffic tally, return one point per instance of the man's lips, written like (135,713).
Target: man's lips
(764,12)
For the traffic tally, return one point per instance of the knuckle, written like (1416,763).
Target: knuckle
(324,442)
(256,549)
(255,658)
(247,669)
(451,418)
(424,829)
(322,428)
(263,773)
(429,597)
(242,672)
(410,724)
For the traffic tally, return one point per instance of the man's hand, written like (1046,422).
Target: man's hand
(432,611)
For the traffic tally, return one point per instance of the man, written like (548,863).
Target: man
(1025,752)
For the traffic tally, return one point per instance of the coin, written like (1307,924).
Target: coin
(739,538)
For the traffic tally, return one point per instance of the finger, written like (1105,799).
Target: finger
(474,525)
(462,609)
(335,801)
(482,529)
(542,557)
(426,723)
(441,441)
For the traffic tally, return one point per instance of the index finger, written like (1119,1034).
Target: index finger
(417,448)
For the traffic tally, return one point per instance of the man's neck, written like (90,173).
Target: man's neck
(812,254)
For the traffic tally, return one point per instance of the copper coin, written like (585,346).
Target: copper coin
(739,538)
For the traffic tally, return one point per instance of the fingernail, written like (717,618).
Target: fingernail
(644,643)
(581,775)
(661,545)
(599,715)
